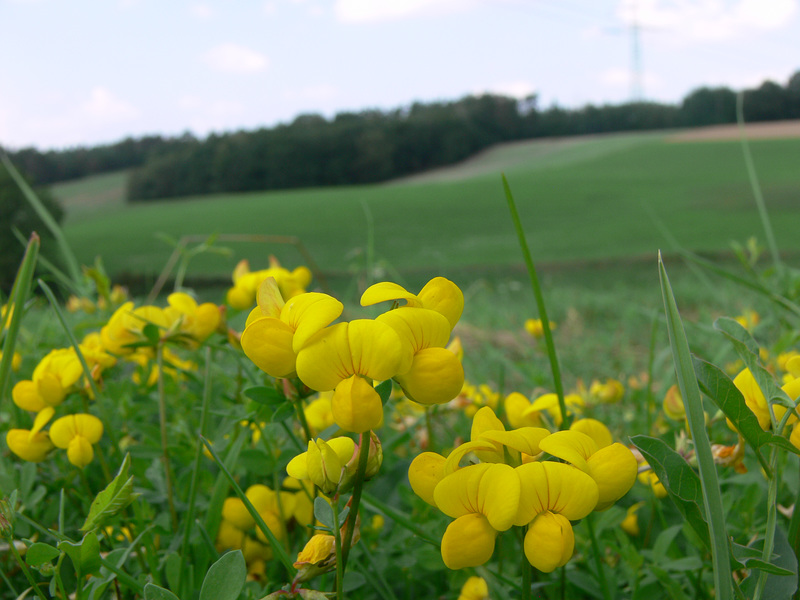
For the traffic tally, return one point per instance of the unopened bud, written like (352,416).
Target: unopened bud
(375,458)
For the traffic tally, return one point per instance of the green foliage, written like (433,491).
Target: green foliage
(16,213)
(115,497)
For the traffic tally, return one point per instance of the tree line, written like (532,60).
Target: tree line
(373,145)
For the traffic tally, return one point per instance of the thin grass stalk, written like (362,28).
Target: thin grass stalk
(19,295)
(355,499)
(756,186)
(162,419)
(537,293)
(772,521)
(712,499)
(651,355)
(337,537)
(189,518)
(277,547)
(51,224)
(26,570)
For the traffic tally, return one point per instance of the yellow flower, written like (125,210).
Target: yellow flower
(535,327)
(317,557)
(551,495)
(673,404)
(630,524)
(483,499)
(245,282)
(424,474)
(549,403)
(323,463)
(433,374)
(749,319)
(595,430)
(474,588)
(613,467)
(318,413)
(16,360)
(76,434)
(515,406)
(439,294)
(277,330)
(198,321)
(32,445)
(607,392)
(346,358)
(650,479)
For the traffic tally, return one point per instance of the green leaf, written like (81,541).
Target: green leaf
(85,555)
(718,386)
(155,592)
(747,349)
(384,390)
(779,586)
(679,479)
(117,495)
(40,553)
(282,412)
(151,332)
(225,579)
(711,495)
(323,512)
(262,394)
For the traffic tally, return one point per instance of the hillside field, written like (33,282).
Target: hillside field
(596,211)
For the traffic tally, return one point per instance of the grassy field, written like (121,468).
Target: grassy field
(595,198)
(595,209)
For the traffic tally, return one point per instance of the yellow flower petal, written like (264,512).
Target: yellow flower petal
(425,473)
(269,298)
(26,395)
(356,406)
(573,446)
(595,430)
(525,439)
(79,451)
(29,448)
(489,489)
(550,542)
(381,292)
(308,313)
(443,296)
(468,542)
(268,343)
(235,512)
(436,376)
(557,487)
(614,470)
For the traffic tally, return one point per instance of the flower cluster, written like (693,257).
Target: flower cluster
(246,282)
(511,485)
(296,337)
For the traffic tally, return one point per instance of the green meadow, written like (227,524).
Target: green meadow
(596,211)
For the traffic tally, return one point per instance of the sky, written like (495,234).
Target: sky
(82,73)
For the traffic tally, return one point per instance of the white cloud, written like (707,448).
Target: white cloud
(270,7)
(201,11)
(236,59)
(103,105)
(709,20)
(365,11)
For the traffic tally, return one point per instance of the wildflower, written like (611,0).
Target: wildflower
(32,445)
(76,434)
(630,524)
(197,321)
(433,374)
(425,473)
(474,588)
(483,499)
(16,360)
(317,557)
(549,403)
(515,406)
(246,283)
(613,467)
(346,358)
(650,479)
(323,463)
(673,404)
(277,330)
(749,319)
(607,392)
(535,327)
(439,294)
(595,430)
(318,413)
(551,495)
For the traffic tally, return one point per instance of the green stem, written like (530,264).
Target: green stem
(355,500)
(601,573)
(189,518)
(772,521)
(399,517)
(337,535)
(24,567)
(537,293)
(162,419)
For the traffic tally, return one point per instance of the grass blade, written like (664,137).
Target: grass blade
(712,499)
(537,293)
